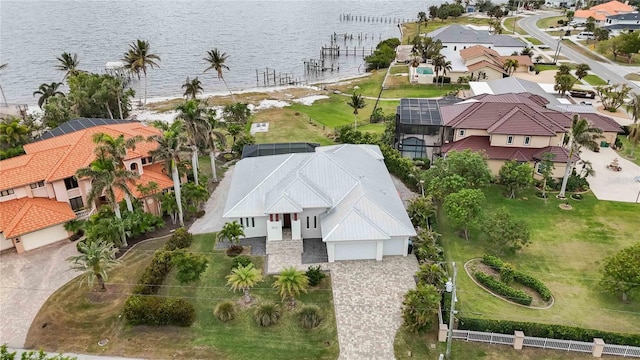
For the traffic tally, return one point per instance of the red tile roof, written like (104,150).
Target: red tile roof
(153,172)
(30,168)
(483,144)
(26,215)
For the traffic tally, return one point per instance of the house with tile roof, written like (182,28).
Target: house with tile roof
(602,11)
(39,192)
(342,194)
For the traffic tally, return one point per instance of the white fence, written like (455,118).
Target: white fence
(491,338)
(557,344)
(621,350)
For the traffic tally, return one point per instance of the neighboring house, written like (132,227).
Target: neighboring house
(601,12)
(619,23)
(459,37)
(342,194)
(516,85)
(514,127)
(39,191)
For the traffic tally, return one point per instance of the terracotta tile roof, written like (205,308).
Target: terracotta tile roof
(26,215)
(153,172)
(478,50)
(483,64)
(522,59)
(613,7)
(483,144)
(519,122)
(585,14)
(30,168)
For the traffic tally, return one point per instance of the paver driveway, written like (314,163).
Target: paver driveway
(212,220)
(368,298)
(26,282)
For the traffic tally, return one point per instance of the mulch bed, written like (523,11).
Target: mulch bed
(168,228)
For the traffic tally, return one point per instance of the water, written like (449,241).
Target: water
(255,34)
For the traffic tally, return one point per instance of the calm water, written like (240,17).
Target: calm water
(256,34)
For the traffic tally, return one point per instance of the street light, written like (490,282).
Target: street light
(422,187)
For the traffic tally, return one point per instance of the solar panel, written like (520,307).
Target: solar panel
(79,124)
(277,149)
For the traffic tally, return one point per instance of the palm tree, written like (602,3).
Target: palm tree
(634,107)
(215,137)
(13,133)
(191,112)
(356,102)
(446,67)
(511,65)
(69,64)
(170,145)
(138,58)
(243,278)
(231,231)
(216,60)
(46,91)
(192,88)
(634,137)
(105,177)
(4,98)
(582,71)
(581,134)
(95,259)
(432,274)
(290,282)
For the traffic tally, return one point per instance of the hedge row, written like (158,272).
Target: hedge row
(547,331)
(503,289)
(399,166)
(520,277)
(153,310)
(153,276)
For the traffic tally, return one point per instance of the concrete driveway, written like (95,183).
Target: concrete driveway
(26,282)
(611,185)
(212,220)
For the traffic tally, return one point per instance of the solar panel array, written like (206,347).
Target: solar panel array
(277,149)
(79,124)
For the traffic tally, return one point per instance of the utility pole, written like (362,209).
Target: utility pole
(453,310)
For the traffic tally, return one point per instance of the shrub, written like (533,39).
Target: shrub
(507,273)
(267,314)
(154,274)
(577,196)
(533,283)
(242,260)
(225,311)
(181,239)
(309,317)
(190,266)
(152,310)
(234,250)
(503,289)
(492,261)
(315,275)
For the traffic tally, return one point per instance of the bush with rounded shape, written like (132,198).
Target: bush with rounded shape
(309,317)
(234,250)
(225,311)
(267,314)
(315,275)
(507,273)
(242,260)
(181,239)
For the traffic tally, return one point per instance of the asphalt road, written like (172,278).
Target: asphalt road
(614,73)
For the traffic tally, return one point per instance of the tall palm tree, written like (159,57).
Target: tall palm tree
(171,144)
(356,102)
(510,65)
(440,63)
(193,115)
(116,148)
(216,60)
(231,231)
(46,91)
(290,282)
(582,70)
(192,88)
(95,259)
(138,58)
(446,67)
(634,137)
(243,278)
(105,177)
(582,133)
(215,137)
(634,107)
(4,98)
(68,63)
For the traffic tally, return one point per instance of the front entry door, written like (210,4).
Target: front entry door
(287,221)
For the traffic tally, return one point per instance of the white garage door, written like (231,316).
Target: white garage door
(355,251)
(394,247)
(44,237)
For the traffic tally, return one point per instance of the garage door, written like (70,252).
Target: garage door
(394,247)
(44,237)
(355,251)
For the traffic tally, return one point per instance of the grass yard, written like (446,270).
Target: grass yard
(241,338)
(549,22)
(581,50)
(626,150)
(533,40)
(409,30)
(399,69)
(288,125)
(594,80)
(509,23)
(367,86)
(565,249)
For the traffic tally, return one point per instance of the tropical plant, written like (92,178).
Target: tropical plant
(564,83)
(225,311)
(95,259)
(243,278)
(634,107)
(216,60)
(621,272)
(310,317)
(420,209)
(426,47)
(613,96)
(97,96)
(196,124)
(237,113)
(241,260)
(267,314)
(13,133)
(46,91)
(510,66)
(192,88)
(215,137)
(290,282)
(315,275)
(634,137)
(420,307)
(582,70)
(190,266)
(69,64)
(545,168)
(138,58)
(438,62)
(356,102)
(582,133)
(432,274)
(231,231)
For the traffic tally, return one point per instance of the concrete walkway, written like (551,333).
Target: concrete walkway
(26,282)
(19,353)
(608,184)
(212,220)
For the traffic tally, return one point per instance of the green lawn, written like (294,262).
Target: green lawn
(288,125)
(626,150)
(241,338)
(594,80)
(581,50)
(533,40)
(564,253)
(509,23)
(367,86)
(399,69)
(549,22)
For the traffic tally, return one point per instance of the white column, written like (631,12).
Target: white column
(296,233)
(331,252)
(379,249)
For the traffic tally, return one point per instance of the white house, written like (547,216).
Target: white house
(622,22)
(342,194)
(458,37)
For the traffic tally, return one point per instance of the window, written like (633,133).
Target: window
(315,222)
(144,161)
(70,183)
(510,139)
(461,133)
(6,192)
(527,140)
(36,185)
(253,222)
(76,203)
(307,222)
(134,166)
(540,168)
(241,223)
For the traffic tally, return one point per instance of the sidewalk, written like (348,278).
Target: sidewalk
(19,353)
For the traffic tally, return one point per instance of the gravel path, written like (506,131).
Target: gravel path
(212,220)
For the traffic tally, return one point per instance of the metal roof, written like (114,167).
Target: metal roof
(423,111)
(460,34)
(79,124)
(277,149)
(347,181)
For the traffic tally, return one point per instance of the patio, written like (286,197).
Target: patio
(608,184)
